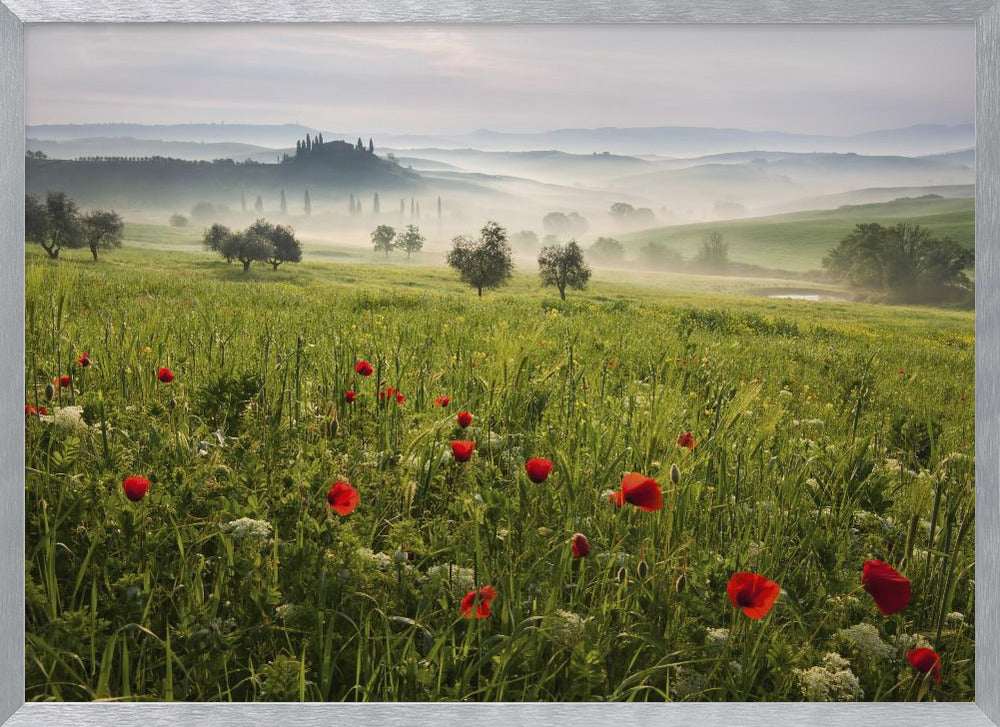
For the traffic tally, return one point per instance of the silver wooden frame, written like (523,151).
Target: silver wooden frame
(986,16)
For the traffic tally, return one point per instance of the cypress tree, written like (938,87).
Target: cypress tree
(375,204)
(371,146)
(351,203)
(308,204)
(308,143)
(284,205)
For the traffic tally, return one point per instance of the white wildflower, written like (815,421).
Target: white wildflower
(569,627)
(463,579)
(868,641)
(247,529)
(378,560)
(717,638)
(833,681)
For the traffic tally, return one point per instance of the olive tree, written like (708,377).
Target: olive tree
(483,263)
(103,229)
(410,240)
(384,239)
(563,266)
(286,247)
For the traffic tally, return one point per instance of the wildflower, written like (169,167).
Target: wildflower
(464,419)
(833,681)
(135,487)
(364,368)
(890,590)
(675,474)
(65,381)
(754,593)
(717,638)
(581,546)
(462,449)
(955,618)
(442,401)
(247,529)
(84,359)
(866,638)
(639,490)
(343,498)
(145,350)
(165,375)
(350,395)
(478,602)
(31,410)
(569,628)
(926,661)
(463,578)
(686,441)
(538,469)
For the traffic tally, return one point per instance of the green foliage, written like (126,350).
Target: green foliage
(905,262)
(607,249)
(713,256)
(383,237)
(409,239)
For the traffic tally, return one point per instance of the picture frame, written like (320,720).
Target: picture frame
(985,14)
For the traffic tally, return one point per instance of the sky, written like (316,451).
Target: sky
(426,79)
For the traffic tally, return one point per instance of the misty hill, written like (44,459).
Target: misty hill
(269,135)
(105,146)
(547,165)
(339,169)
(664,140)
(798,241)
(872,195)
(963,156)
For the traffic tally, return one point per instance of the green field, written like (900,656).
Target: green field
(827,434)
(798,241)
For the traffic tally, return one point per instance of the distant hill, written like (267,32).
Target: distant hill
(874,195)
(663,140)
(162,183)
(798,241)
(103,146)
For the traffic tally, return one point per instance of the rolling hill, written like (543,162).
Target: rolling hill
(798,241)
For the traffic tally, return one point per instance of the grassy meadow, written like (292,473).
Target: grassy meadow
(826,434)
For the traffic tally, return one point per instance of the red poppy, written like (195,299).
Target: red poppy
(30,410)
(343,498)
(462,449)
(165,375)
(641,491)
(480,601)
(364,368)
(926,661)
(442,401)
(686,441)
(388,393)
(349,396)
(84,359)
(754,593)
(890,590)
(400,398)
(538,469)
(65,381)
(581,546)
(464,419)
(135,487)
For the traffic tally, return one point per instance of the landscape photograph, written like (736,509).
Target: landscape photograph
(505,363)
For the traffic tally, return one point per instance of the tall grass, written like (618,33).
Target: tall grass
(826,434)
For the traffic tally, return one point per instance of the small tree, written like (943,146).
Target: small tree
(178,220)
(525,240)
(104,230)
(608,249)
(36,222)
(384,239)
(563,266)
(284,204)
(285,248)
(308,205)
(714,252)
(215,240)
(410,240)
(659,256)
(259,204)
(247,247)
(375,204)
(483,263)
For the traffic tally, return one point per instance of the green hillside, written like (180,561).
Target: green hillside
(798,241)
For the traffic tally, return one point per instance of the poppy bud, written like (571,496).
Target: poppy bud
(581,546)
(622,575)
(680,583)
(50,392)
(642,569)
(675,474)
(331,428)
